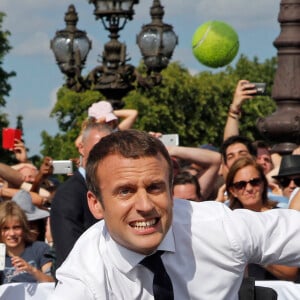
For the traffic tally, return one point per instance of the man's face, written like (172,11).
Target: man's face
(185,191)
(264,159)
(233,152)
(288,184)
(12,233)
(29,173)
(93,138)
(137,200)
(250,195)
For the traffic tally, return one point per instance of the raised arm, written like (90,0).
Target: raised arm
(127,116)
(20,151)
(46,169)
(8,193)
(208,160)
(12,176)
(244,91)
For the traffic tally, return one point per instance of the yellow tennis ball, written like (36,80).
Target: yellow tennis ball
(215,44)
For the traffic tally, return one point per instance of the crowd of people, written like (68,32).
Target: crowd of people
(146,195)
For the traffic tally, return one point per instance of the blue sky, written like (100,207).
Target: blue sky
(33,24)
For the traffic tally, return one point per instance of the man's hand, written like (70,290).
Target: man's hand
(46,168)
(20,151)
(244,90)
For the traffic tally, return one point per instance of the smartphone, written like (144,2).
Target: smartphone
(8,137)
(62,166)
(170,139)
(260,88)
(2,256)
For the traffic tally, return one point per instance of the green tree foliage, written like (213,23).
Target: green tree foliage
(5,87)
(194,106)
(70,110)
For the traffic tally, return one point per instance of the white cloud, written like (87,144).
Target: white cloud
(40,114)
(31,15)
(245,14)
(36,44)
(241,13)
(32,113)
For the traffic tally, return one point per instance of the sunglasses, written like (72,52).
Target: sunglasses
(241,185)
(285,181)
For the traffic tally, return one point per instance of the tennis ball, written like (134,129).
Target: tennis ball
(215,44)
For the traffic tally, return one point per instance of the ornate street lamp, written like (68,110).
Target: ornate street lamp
(71,47)
(114,78)
(283,126)
(157,42)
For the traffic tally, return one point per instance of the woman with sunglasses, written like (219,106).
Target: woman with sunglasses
(247,188)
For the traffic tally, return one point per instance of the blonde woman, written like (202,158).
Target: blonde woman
(25,258)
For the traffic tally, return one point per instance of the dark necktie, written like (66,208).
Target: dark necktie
(162,285)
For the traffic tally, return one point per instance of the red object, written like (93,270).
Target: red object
(8,137)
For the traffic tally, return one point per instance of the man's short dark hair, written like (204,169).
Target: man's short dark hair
(186,177)
(260,144)
(237,139)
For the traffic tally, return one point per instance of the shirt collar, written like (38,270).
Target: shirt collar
(81,170)
(125,260)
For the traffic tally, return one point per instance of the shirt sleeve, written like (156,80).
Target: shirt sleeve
(270,237)
(76,287)
(41,249)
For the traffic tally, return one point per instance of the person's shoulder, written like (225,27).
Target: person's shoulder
(91,235)
(87,247)
(39,245)
(90,269)
(74,186)
(73,179)
(37,248)
(185,210)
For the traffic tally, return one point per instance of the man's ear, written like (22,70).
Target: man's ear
(223,170)
(95,206)
(80,148)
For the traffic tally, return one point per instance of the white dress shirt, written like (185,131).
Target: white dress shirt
(207,249)
(293,194)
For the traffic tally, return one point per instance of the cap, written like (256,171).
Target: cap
(102,109)
(290,165)
(24,200)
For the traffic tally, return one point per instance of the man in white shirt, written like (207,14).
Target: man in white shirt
(206,245)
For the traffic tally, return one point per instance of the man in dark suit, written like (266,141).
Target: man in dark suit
(70,215)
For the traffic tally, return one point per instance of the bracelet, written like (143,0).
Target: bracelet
(235,112)
(233,116)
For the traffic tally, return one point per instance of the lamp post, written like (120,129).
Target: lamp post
(283,126)
(114,78)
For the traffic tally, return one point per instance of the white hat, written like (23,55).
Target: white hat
(102,109)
